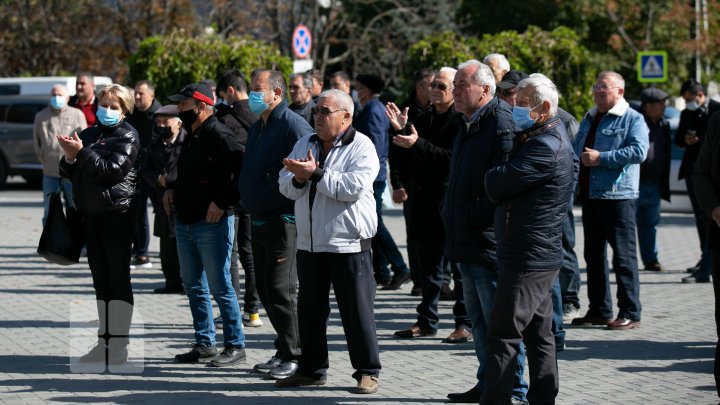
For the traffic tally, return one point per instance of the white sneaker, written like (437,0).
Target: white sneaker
(140,262)
(251,320)
(570,312)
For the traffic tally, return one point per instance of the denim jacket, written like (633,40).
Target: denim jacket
(622,140)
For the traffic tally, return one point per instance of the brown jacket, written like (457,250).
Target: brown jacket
(50,122)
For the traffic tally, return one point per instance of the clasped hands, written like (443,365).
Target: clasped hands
(70,144)
(302,169)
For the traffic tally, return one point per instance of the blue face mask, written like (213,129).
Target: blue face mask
(521,117)
(58,102)
(108,117)
(256,102)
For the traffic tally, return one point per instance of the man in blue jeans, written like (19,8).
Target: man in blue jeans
(611,143)
(484,141)
(202,197)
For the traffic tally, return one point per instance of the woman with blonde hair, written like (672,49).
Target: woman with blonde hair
(99,162)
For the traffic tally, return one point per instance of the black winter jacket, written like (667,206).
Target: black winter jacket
(467,211)
(694,121)
(207,171)
(532,191)
(103,177)
(238,118)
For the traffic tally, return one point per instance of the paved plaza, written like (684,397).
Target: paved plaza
(669,360)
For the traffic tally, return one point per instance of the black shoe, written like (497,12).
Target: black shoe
(694,268)
(264,368)
(416,290)
(96,354)
(382,281)
(285,370)
(230,356)
(140,262)
(397,281)
(198,354)
(297,380)
(654,266)
(694,278)
(470,397)
(446,294)
(168,290)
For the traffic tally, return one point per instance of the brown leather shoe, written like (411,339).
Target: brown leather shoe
(459,335)
(589,320)
(623,324)
(415,331)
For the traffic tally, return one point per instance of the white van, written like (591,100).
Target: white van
(43,85)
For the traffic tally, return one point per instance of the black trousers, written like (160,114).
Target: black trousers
(170,262)
(242,249)
(351,275)
(713,241)
(108,241)
(522,312)
(273,249)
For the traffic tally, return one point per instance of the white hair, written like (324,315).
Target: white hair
(344,100)
(617,77)
(447,69)
(59,87)
(483,75)
(543,90)
(503,63)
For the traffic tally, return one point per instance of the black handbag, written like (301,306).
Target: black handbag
(62,237)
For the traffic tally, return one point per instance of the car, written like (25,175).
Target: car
(42,85)
(17,156)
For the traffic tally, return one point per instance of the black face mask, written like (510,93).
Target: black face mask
(163,132)
(188,118)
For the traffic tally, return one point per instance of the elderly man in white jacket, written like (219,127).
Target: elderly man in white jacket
(330,176)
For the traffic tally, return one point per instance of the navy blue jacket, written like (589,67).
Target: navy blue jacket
(532,191)
(268,144)
(373,122)
(467,211)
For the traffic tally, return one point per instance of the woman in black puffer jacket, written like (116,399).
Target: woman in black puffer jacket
(100,163)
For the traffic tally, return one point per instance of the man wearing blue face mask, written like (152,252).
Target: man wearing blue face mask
(690,136)
(56,119)
(273,233)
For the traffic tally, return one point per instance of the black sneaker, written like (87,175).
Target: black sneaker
(264,368)
(198,354)
(285,370)
(230,356)
(96,354)
(397,281)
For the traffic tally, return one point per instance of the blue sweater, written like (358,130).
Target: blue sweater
(373,122)
(268,144)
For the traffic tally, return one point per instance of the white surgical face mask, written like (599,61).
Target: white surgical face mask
(692,106)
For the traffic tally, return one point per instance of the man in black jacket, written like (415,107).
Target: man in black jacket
(202,197)
(484,141)
(236,115)
(532,191)
(690,136)
(142,118)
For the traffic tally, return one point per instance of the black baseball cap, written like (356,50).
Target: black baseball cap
(372,82)
(511,79)
(198,91)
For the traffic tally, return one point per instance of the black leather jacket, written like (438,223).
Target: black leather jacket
(103,178)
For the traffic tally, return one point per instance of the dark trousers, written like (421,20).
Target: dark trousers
(611,222)
(570,270)
(557,317)
(108,240)
(432,262)
(273,249)
(385,251)
(242,249)
(141,237)
(522,312)
(714,246)
(411,242)
(352,279)
(170,262)
(702,223)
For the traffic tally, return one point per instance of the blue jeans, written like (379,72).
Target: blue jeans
(383,245)
(479,284)
(204,251)
(557,318)
(570,270)
(647,215)
(51,184)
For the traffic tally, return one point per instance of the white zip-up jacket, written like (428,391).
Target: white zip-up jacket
(341,218)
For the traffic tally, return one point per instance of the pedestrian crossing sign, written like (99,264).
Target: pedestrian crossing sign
(652,66)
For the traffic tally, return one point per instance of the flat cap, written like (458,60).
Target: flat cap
(652,95)
(171,110)
(511,79)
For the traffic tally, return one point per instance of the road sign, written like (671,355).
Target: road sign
(652,66)
(301,41)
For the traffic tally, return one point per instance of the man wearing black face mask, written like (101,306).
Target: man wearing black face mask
(160,168)
(202,196)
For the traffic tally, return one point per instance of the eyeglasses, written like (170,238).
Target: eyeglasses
(325,110)
(602,87)
(440,86)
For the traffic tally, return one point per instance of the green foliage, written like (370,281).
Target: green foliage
(172,61)
(557,54)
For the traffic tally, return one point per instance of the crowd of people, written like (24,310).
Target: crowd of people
(286,181)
